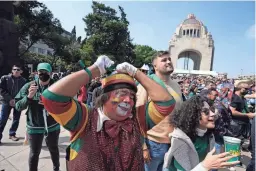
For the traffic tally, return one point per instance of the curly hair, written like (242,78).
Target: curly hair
(187,117)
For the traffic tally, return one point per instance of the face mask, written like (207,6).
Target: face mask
(44,77)
(244,92)
(210,102)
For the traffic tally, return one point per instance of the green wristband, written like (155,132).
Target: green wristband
(89,73)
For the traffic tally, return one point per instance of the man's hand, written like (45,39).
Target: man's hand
(146,156)
(251,115)
(12,102)
(32,90)
(127,68)
(102,63)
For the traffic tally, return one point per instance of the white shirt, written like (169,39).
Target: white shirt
(102,117)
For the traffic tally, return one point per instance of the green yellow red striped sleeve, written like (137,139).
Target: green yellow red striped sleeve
(68,112)
(157,111)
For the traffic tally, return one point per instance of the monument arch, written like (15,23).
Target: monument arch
(192,40)
(189,55)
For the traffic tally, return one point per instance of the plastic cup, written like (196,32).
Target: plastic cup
(233,146)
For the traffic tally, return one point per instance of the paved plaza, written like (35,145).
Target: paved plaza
(14,156)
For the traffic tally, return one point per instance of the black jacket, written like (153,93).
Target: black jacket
(9,87)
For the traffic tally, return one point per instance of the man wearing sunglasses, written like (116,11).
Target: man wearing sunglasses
(10,85)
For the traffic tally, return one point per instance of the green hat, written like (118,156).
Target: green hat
(44,66)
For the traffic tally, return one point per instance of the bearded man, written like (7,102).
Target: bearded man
(157,127)
(108,137)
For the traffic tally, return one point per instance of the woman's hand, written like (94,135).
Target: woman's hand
(218,161)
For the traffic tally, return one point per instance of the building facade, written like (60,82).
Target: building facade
(43,49)
(192,40)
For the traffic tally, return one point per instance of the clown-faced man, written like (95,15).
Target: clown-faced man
(108,137)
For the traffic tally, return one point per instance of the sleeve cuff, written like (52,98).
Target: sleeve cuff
(144,146)
(199,167)
(55,97)
(167,103)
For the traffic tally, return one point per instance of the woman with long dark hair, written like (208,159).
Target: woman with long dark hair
(192,139)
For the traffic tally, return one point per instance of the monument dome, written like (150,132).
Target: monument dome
(191,19)
(192,42)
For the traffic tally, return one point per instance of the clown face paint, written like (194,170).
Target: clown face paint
(123,108)
(120,104)
(115,100)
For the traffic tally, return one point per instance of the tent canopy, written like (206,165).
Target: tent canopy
(145,67)
(196,72)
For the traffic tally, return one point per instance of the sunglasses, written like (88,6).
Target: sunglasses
(207,110)
(16,69)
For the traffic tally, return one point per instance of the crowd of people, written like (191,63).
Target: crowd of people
(131,119)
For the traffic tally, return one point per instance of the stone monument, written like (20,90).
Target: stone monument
(9,38)
(192,41)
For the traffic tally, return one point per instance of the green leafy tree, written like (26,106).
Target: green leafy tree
(67,49)
(58,43)
(107,33)
(35,21)
(143,54)
(33,58)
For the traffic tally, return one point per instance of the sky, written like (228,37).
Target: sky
(232,25)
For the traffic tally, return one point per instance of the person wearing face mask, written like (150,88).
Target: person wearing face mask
(210,95)
(192,142)
(39,123)
(240,124)
(108,136)
(238,106)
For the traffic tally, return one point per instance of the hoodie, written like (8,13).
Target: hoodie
(183,149)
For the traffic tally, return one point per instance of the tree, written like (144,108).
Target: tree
(34,22)
(67,49)
(107,33)
(143,54)
(33,58)
(58,43)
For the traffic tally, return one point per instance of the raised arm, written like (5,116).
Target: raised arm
(58,98)
(71,84)
(161,101)
(155,91)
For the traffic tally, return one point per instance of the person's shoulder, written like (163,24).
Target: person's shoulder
(52,81)
(6,76)
(235,97)
(28,84)
(24,79)
(173,83)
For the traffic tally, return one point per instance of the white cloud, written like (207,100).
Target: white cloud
(250,32)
